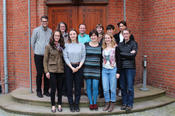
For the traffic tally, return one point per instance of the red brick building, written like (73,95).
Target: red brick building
(152,23)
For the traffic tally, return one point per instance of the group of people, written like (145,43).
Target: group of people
(66,58)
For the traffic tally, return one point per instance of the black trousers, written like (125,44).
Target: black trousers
(75,78)
(40,71)
(56,81)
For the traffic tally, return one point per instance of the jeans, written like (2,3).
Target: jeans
(56,81)
(75,78)
(40,71)
(109,83)
(92,84)
(127,86)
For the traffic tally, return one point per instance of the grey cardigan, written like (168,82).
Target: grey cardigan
(40,38)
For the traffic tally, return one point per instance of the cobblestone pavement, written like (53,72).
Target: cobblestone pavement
(168,110)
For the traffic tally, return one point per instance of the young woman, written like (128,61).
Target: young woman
(54,67)
(128,51)
(92,68)
(100,30)
(74,56)
(109,69)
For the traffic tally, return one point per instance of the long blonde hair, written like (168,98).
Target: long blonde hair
(113,43)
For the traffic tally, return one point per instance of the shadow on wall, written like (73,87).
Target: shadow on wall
(0,88)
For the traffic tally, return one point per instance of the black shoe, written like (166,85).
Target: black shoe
(123,107)
(46,94)
(39,94)
(128,109)
(77,109)
(72,108)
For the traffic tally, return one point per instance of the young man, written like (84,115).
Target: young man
(40,38)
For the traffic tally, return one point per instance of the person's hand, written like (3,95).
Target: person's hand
(117,75)
(78,67)
(133,52)
(48,75)
(74,69)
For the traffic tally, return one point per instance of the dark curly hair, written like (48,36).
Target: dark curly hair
(52,40)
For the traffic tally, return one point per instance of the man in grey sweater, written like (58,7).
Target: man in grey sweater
(40,38)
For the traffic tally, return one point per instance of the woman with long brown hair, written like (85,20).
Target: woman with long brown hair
(74,56)
(54,67)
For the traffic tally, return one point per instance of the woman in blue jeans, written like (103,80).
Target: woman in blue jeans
(92,69)
(128,51)
(109,69)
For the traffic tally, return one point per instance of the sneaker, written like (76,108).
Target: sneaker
(128,108)
(77,109)
(39,94)
(123,107)
(72,108)
(95,107)
(91,106)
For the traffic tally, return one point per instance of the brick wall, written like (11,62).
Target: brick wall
(159,42)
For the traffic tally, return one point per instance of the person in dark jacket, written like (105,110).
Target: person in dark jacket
(128,51)
(119,36)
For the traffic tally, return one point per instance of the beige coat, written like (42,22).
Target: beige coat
(53,60)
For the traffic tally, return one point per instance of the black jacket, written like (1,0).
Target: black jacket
(117,59)
(117,37)
(127,58)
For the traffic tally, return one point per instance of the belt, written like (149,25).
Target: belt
(75,63)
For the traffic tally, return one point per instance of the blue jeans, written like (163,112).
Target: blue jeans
(109,83)
(127,86)
(92,84)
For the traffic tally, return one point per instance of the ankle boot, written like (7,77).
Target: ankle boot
(111,107)
(106,106)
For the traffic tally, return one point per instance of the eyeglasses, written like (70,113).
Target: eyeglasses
(44,21)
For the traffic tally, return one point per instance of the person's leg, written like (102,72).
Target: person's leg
(113,84)
(105,82)
(53,83)
(38,64)
(123,87)
(89,92)
(130,75)
(95,90)
(59,90)
(59,87)
(69,84)
(78,81)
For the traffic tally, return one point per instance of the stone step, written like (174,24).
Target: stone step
(9,105)
(23,95)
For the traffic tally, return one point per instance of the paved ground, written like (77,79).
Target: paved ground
(168,110)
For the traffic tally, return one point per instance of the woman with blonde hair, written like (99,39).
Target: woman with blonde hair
(111,62)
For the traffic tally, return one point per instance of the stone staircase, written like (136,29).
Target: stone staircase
(21,101)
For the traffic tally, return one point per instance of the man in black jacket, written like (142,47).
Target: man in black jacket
(128,51)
